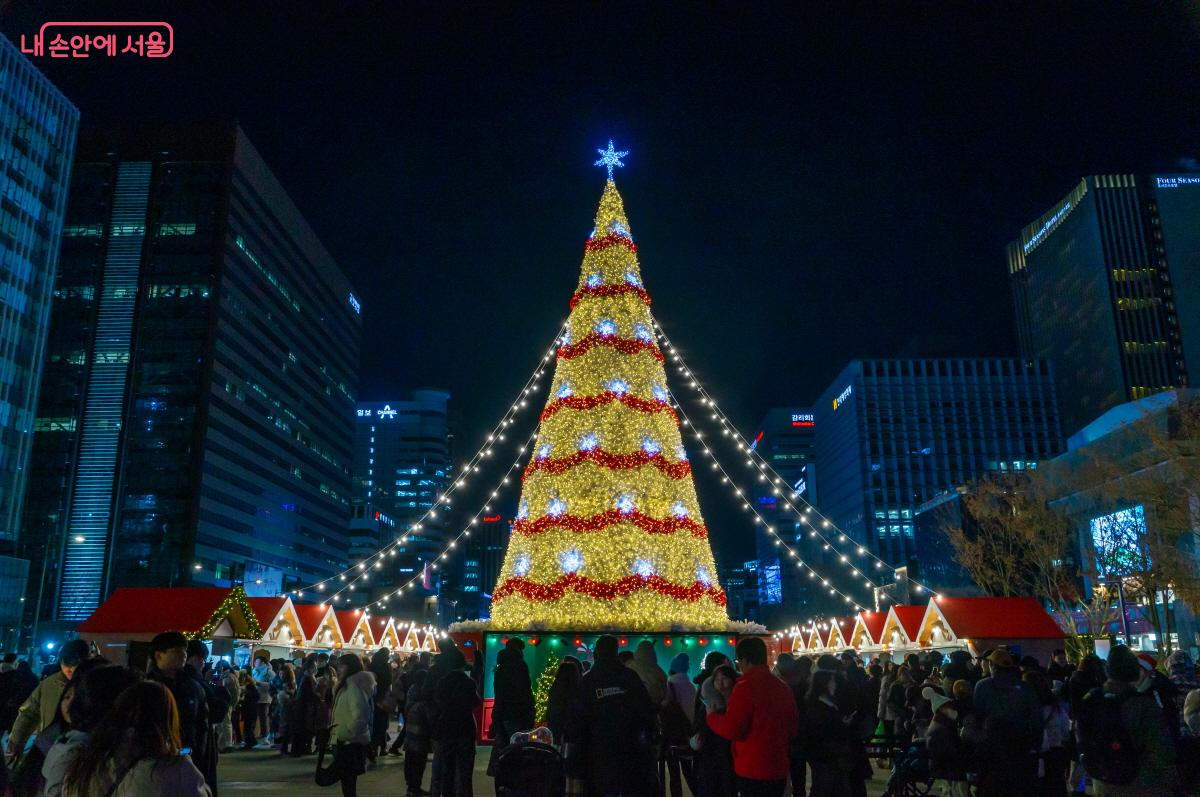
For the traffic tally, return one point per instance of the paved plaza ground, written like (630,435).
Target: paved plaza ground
(267,772)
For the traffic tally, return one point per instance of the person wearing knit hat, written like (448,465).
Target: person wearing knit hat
(946,749)
(1145,723)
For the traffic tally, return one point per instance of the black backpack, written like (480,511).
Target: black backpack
(1107,750)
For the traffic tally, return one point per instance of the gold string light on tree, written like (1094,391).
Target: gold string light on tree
(609,533)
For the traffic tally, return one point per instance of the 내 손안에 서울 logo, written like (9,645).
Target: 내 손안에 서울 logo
(101,39)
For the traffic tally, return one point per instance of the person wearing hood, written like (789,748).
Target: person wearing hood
(353,710)
(1145,725)
(713,763)
(613,725)
(645,664)
(675,718)
(512,710)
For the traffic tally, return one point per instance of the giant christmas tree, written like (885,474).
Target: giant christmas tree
(608,532)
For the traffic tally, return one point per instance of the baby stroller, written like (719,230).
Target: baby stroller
(531,767)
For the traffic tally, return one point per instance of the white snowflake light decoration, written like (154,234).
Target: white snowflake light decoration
(557,507)
(595,280)
(679,509)
(544,451)
(643,568)
(681,453)
(625,504)
(651,446)
(643,333)
(633,279)
(523,509)
(570,560)
(606,328)
(660,393)
(618,386)
(703,576)
(564,390)
(566,337)
(589,442)
(523,565)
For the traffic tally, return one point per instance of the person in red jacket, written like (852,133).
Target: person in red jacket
(759,722)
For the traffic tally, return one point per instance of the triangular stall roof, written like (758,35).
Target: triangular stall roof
(429,641)
(199,612)
(816,638)
(901,626)
(356,630)
(950,621)
(868,626)
(319,624)
(383,630)
(840,629)
(412,642)
(278,619)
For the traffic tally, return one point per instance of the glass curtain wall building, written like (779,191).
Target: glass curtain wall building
(892,434)
(38,126)
(1106,285)
(402,466)
(195,420)
(786,438)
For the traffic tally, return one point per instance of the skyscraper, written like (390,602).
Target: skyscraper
(786,438)
(37,140)
(892,434)
(196,417)
(401,467)
(1106,285)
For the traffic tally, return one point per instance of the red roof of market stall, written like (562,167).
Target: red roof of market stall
(910,618)
(998,618)
(873,621)
(152,610)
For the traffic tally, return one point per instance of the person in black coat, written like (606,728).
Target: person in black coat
(613,722)
(454,732)
(305,708)
(513,709)
(382,670)
(171,650)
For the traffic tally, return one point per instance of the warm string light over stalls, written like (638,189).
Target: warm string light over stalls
(780,486)
(738,494)
(493,438)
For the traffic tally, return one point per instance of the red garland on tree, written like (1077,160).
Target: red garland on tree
(600,522)
(674,470)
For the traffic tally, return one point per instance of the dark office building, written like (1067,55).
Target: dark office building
(37,141)
(785,438)
(480,566)
(1106,286)
(892,434)
(195,420)
(402,467)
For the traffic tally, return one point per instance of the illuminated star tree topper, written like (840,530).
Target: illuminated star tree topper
(610,158)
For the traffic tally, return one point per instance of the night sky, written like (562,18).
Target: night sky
(803,189)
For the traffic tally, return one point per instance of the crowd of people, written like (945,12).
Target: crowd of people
(989,726)
(823,725)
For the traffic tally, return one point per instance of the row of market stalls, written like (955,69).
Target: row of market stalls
(944,624)
(234,623)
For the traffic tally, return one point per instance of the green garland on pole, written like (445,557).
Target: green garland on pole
(541,689)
